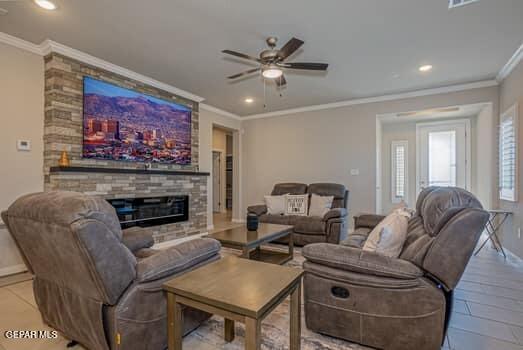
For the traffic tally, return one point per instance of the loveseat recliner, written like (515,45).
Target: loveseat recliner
(331,228)
(395,303)
(94,283)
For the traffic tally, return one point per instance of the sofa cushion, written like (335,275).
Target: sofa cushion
(297,204)
(338,191)
(320,205)
(437,202)
(176,259)
(309,225)
(275,204)
(278,219)
(357,238)
(291,188)
(389,236)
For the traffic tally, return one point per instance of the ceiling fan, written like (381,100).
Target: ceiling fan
(272,61)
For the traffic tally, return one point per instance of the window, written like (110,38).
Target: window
(399,155)
(508,154)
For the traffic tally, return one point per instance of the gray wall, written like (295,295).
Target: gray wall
(511,91)
(324,145)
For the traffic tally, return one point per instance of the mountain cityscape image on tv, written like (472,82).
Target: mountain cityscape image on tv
(122,124)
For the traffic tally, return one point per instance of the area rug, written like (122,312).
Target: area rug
(275,328)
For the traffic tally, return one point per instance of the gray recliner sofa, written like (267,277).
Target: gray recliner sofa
(94,283)
(395,303)
(331,228)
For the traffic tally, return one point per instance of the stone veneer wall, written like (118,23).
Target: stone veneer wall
(116,185)
(63,130)
(63,123)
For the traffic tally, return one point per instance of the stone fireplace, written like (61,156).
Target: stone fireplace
(63,131)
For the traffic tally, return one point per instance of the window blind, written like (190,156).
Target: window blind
(508,156)
(399,170)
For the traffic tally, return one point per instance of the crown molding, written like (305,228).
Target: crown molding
(219,111)
(511,64)
(20,43)
(49,46)
(384,98)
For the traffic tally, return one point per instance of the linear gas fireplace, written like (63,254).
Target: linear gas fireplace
(151,211)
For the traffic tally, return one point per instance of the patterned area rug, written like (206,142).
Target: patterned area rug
(275,328)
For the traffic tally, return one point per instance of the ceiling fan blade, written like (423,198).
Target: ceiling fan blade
(281,81)
(235,76)
(241,55)
(302,65)
(289,48)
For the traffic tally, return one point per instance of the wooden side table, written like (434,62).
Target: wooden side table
(239,290)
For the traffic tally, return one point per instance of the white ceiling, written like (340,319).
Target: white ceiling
(374,47)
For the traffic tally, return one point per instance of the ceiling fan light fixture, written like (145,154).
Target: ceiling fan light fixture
(272,72)
(46,4)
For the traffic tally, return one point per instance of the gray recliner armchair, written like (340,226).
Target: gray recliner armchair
(331,228)
(395,303)
(93,283)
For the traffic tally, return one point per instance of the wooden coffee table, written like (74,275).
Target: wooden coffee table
(250,242)
(239,290)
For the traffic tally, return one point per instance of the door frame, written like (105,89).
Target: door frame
(468,147)
(220,154)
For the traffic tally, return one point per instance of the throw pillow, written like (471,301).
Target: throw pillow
(389,236)
(275,205)
(320,205)
(296,204)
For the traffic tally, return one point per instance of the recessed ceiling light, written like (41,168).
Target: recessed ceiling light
(425,68)
(46,4)
(249,100)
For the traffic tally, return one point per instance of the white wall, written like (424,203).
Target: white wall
(208,120)
(324,145)
(511,91)
(22,117)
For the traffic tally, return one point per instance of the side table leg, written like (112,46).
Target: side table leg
(252,334)
(295,330)
(291,245)
(174,323)
(229,330)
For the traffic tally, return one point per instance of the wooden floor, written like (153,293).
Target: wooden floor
(488,312)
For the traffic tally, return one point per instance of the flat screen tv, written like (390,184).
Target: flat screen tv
(122,124)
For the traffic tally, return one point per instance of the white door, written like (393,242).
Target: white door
(216,172)
(443,153)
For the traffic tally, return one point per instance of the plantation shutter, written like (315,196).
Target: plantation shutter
(399,170)
(508,155)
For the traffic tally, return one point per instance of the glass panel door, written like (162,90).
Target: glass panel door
(442,158)
(442,153)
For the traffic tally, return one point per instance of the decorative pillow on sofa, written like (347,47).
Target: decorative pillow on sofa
(275,205)
(296,204)
(389,236)
(320,205)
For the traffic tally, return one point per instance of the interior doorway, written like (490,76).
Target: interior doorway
(223,176)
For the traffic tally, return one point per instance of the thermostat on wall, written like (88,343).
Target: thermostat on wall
(23,145)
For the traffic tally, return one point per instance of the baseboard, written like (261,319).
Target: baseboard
(210,227)
(11,270)
(238,221)
(173,242)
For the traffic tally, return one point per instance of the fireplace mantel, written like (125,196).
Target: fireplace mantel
(84,169)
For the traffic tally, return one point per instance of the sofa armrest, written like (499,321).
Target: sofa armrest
(357,260)
(257,209)
(176,259)
(335,213)
(367,220)
(135,238)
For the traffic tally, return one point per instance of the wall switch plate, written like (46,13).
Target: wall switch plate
(519,232)
(23,145)
(355,172)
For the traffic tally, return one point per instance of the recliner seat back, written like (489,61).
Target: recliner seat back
(338,191)
(443,232)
